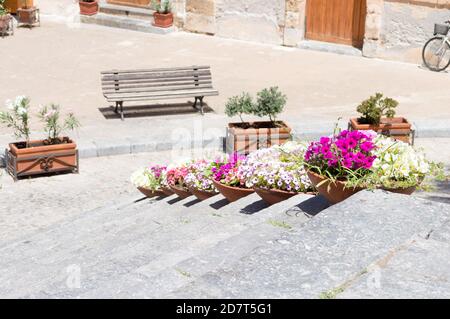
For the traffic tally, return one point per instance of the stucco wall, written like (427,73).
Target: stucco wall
(403,28)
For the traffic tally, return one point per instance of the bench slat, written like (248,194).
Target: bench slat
(201,67)
(152,85)
(162,95)
(136,76)
(160,89)
(156,81)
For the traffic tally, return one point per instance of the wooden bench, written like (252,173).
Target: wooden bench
(157,84)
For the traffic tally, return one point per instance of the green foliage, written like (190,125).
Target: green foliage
(375,107)
(239,105)
(270,102)
(17,117)
(162,6)
(50,116)
(3,11)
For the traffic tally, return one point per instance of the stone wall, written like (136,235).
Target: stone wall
(398,29)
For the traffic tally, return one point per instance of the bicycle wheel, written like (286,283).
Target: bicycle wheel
(436,54)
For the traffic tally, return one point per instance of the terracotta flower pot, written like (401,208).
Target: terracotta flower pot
(27,15)
(273,196)
(167,191)
(404,191)
(150,193)
(4,22)
(163,20)
(39,158)
(202,195)
(233,194)
(333,192)
(180,192)
(248,137)
(397,128)
(88,8)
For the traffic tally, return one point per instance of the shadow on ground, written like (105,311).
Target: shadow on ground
(151,110)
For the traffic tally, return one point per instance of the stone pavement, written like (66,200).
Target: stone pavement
(321,87)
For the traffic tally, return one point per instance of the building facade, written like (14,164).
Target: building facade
(390,29)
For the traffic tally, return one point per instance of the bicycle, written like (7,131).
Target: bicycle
(436,51)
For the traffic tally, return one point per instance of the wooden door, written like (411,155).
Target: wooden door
(135,3)
(337,21)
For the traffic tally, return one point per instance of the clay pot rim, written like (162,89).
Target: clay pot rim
(274,190)
(233,187)
(388,124)
(193,189)
(163,14)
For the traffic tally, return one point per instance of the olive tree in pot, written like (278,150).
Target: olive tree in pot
(88,7)
(378,114)
(163,16)
(245,137)
(28,157)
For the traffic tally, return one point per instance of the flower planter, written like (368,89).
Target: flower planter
(201,195)
(149,193)
(167,191)
(232,194)
(259,135)
(163,20)
(5,24)
(40,158)
(28,16)
(88,8)
(333,192)
(273,196)
(398,128)
(180,191)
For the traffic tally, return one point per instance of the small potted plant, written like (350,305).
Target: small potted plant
(245,137)
(176,180)
(56,153)
(151,181)
(163,16)
(199,179)
(27,13)
(88,7)
(378,114)
(338,165)
(228,178)
(5,18)
(277,173)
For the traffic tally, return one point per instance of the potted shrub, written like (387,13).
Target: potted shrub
(337,165)
(88,7)
(5,18)
(199,179)
(245,137)
(277,173)
(176,180)
(400,168)
(151,181)
(27,13)
(56,153)
(229,180)
(378,114)
(163,16)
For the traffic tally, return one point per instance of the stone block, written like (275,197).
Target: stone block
(204,7)
(200,23)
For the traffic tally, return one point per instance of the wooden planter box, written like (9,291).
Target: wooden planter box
(41,159)
(245,141)
(398,128)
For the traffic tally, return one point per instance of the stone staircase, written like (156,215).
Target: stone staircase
(187,248)
(125,17)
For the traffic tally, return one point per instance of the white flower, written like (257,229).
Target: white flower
(21,110)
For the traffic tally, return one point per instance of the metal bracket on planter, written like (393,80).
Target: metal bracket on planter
(45,163)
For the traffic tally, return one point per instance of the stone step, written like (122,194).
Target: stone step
(128,243)
(126,11)
(122,22)
(332,249)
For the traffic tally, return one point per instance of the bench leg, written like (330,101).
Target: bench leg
(199,98)
(116,110)
(121,111)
